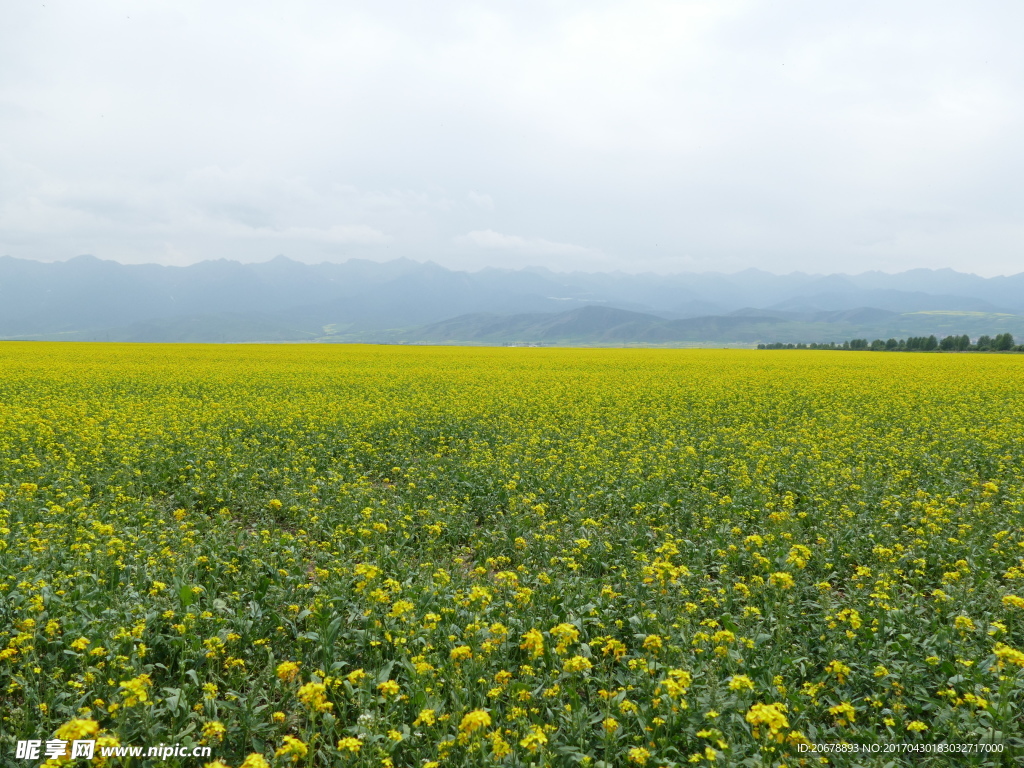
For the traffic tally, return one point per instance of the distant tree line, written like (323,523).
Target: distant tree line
(1002,342)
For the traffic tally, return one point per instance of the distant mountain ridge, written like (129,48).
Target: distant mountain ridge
(608,326)
(86,298)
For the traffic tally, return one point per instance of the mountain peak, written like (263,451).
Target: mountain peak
(86,295)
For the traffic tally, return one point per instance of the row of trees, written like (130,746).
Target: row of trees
(1002,342)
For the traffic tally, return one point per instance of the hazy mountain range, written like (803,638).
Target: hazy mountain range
(412,302)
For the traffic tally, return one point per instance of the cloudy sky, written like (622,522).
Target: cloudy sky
(644,135)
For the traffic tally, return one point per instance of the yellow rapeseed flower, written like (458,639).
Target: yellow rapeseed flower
(287,671)
(474,721)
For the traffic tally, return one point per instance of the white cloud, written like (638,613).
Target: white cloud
(336,234)
(481,200)
(488,238)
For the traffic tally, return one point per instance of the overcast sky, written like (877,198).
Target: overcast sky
(663,136)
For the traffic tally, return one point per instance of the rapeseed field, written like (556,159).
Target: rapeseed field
(421,557)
